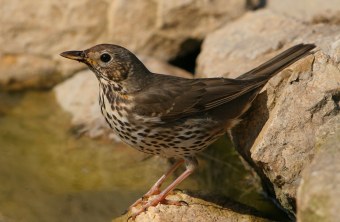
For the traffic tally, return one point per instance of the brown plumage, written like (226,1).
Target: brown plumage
(172,116)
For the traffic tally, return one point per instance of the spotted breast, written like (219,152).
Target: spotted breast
(151,135)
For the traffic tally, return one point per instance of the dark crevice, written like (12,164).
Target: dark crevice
(187,60)
(256,4)
(336,99)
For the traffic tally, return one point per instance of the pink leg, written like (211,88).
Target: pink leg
(155,188)
(191,164)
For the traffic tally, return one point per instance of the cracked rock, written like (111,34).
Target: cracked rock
(278,134)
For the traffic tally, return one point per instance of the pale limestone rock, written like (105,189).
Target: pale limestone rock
(33,33)
(43,29)
(79,96)
(47,27)
(278,136)
(166,29)
(319,192)
(241,45)
(162,67)
(299,107)
(311,11)
(197,210)
(27,71)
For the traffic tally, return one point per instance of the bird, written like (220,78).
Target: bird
(171,116)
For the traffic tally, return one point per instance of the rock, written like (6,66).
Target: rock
(33,33)
(311,11)
(166,29)
(27,71)
(197,210)
(245,43)
(286,143)
(319,192)
(277,136)
(37,32)
(162,67)
(47,28)
(79,96)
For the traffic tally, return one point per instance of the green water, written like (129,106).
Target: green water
(48,174)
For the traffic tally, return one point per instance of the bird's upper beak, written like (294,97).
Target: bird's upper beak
(75,55)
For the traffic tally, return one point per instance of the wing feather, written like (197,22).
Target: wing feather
(172,98)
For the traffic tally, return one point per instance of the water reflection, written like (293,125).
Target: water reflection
(46,174)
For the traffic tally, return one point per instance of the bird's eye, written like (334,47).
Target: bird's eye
(105,57)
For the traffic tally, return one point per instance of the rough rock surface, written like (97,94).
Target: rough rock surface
(285,144)
(79,96)
(278,135)
(241,45)
(33,33)
(319,193)
(47,27)
(27,71)
(166,29)
(197,210)
(311,11)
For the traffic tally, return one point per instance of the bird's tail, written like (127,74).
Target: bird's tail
(279,62)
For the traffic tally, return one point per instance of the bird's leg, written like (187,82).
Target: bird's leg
(155,189)
(191,165)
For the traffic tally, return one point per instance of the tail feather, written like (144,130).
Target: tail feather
(279,62)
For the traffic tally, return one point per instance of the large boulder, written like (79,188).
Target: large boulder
(241,45)
(27,71)
(166,29)
(318,195)
(278,134)
(33,33)
(197,210)
(310,11)
(46,27)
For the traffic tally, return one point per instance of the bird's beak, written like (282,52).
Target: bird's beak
(75,55)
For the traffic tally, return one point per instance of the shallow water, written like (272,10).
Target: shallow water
(48,174)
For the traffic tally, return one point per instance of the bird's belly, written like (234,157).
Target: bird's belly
(178,140)
(176,144)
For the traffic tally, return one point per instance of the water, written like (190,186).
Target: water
(48,174)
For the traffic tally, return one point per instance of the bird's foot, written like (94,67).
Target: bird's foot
(151,192)
(159,199)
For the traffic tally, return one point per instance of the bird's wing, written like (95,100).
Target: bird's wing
(171,98)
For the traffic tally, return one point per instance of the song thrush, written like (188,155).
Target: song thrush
(172,116)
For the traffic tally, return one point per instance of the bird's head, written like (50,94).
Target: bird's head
(109,62)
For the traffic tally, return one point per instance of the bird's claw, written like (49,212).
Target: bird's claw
(155,202)
(151,192)
(183,203)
